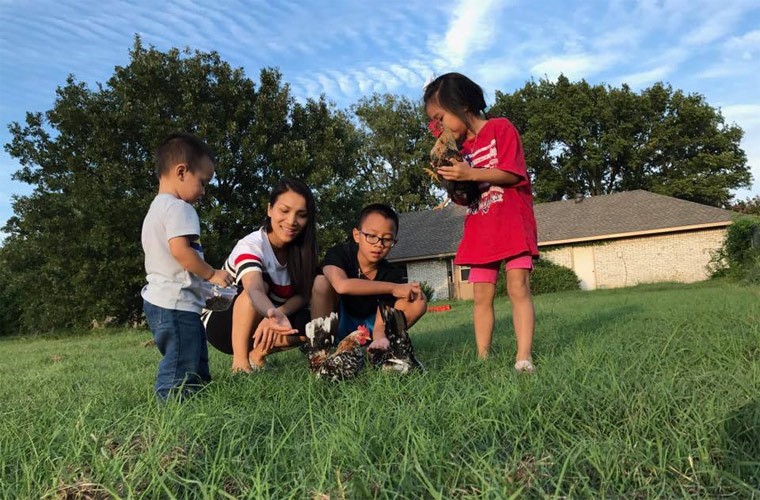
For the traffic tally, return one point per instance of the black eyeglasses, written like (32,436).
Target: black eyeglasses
(373,239)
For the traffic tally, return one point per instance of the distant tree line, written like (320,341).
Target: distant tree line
(72,252)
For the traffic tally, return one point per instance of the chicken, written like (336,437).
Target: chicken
(444,151)
(320,335)
(348,358)
(399,356)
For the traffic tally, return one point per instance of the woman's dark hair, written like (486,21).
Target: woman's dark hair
(302,252)
(457,94)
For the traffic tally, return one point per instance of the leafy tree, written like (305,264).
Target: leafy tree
(690,152)
(74,243)
(592,139)
(396,147)
(329,154)
(750,206)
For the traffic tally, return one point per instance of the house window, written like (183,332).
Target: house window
(464,273)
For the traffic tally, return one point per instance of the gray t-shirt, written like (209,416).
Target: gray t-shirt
(169,285)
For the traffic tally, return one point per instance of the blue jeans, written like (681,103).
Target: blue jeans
(348,323)
(181,339)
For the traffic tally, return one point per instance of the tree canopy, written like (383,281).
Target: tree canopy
(73,254)
(73,245)
(595,139)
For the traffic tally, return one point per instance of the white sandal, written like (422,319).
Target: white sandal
(524,366)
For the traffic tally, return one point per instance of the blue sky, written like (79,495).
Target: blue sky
(347,49)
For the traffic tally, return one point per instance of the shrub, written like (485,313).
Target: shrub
(739,256)
(427,290)
(547,277)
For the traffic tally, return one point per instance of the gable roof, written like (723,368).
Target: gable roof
(436,233)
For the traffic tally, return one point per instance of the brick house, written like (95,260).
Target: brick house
(610,241)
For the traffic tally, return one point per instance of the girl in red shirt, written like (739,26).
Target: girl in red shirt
(501,227)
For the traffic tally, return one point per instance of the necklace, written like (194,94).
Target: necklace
(362,274)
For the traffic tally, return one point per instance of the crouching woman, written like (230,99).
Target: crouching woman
(274,269)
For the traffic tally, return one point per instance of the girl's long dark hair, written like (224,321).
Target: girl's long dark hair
(302,252)
(457,94)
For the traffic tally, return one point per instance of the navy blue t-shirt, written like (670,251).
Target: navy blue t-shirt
(360,306)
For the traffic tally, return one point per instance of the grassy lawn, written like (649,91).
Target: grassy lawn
(642,392)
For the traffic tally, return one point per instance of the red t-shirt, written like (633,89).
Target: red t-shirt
(503,224)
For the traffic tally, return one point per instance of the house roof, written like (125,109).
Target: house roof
(436,233)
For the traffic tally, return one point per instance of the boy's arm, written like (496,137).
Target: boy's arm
(343,285)
(189,259)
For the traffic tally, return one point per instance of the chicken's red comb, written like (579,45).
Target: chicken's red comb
(435,128)
(363,329)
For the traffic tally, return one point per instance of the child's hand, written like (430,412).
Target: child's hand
(221,278)
(459,171)
(380,344)
(407,291)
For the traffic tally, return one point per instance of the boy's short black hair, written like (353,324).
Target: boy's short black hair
(181,147)
(379,208)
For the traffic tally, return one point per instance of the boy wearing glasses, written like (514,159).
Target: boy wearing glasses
(357,279)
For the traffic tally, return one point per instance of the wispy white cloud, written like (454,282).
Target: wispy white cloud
(747,116)
(347,49)
(737,56)
(493,74)
(742,114)
(471,28)
(573,66)
(648,77)
(406,75)
(720,21)
(745,46)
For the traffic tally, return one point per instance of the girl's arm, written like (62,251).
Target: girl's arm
(344,285)
(461,171)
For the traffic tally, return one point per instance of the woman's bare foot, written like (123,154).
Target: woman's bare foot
(241,366)
(257,361)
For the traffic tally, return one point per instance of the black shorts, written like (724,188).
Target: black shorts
(219,327)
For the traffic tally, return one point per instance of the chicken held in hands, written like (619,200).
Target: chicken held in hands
(443,153)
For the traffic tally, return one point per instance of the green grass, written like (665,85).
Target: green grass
(652,391)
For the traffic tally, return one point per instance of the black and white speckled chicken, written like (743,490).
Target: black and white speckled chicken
(445,151)
(320,335)
(348,358)
(399,357)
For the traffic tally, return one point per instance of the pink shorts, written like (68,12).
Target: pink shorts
(487,273)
